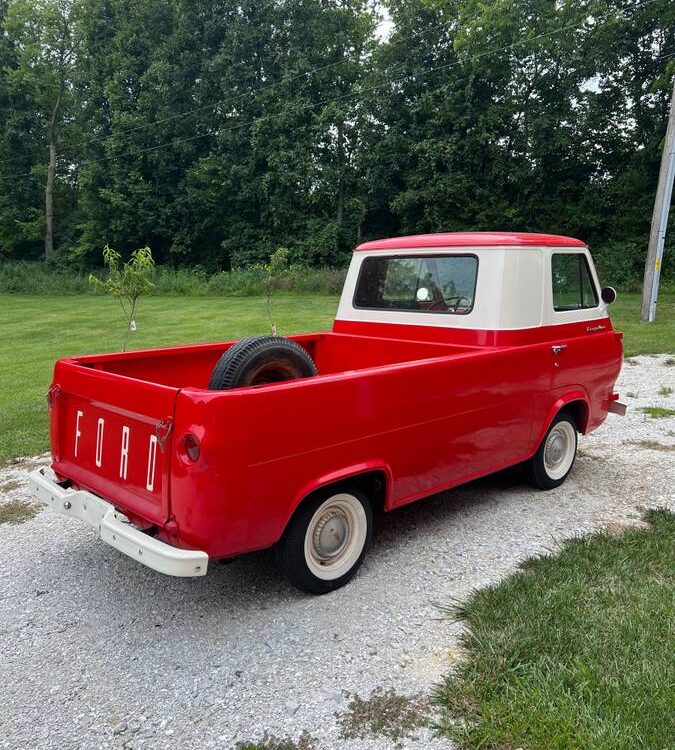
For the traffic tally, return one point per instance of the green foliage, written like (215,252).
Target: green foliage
(573,651)
(199,129)
(24,277)
(38,71)
(658,412)
(126,282)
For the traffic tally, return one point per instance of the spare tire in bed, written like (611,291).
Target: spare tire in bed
(260,360)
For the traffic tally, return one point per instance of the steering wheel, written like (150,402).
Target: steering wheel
(449,304)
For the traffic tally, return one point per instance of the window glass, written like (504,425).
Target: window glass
(573,287)
(421,283)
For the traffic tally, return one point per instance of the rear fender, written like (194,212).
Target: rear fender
(343,475)
(576,399)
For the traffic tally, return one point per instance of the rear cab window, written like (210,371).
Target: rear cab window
(418,283)
(573,286)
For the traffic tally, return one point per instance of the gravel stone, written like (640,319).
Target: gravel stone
(97,651)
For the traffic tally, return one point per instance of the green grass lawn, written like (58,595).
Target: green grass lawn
(645,338)
(573,652)
(36,331)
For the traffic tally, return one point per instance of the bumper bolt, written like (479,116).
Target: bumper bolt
(67,505)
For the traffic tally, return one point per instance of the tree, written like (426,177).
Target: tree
(521,114)
(126,282)
(44,38)
(215,131)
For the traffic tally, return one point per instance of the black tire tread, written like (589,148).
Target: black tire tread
(232,361)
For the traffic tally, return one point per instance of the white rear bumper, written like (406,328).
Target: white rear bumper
(115,529)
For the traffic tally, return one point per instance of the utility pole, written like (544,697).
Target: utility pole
(657,235)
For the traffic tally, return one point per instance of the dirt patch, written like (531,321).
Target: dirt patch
(17,511)
(652,445)
(385,713)
(618,527)
(10,486)
(28,462)
(585,454)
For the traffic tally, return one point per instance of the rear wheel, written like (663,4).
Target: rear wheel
(553,461)
(326,540)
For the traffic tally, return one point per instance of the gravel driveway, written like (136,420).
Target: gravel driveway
(98,652)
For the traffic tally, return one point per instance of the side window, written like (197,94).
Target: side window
(573,287)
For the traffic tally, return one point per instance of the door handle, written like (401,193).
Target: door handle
(558,348)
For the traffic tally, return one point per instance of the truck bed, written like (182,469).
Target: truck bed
(333,353)
(114,415)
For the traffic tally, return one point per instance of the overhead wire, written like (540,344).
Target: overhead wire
(393,82)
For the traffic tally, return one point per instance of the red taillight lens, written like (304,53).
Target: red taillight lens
(192,446)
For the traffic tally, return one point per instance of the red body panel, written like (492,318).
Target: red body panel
(428,408)
(90,414)
(472,239)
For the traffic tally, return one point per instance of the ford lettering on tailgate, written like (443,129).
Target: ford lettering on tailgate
(118,452)
(116,441)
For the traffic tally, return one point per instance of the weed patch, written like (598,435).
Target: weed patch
(384,713)
(652,445)
(270,742)
(17,511)
(657,412)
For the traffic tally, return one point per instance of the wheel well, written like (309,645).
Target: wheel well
(578,410)
(372,483)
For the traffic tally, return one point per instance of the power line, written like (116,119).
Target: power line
(329,66)
(349,95)
(237,97)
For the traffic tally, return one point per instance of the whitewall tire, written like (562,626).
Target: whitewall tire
(326,540)
(553,461)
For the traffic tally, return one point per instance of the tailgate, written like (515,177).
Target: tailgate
(112,435)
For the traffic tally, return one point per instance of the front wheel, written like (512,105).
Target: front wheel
(553,461)
(326,540)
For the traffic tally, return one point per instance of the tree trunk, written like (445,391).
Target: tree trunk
(49,200)
(340,212)
(51,173)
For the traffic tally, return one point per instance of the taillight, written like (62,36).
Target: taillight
(192,446)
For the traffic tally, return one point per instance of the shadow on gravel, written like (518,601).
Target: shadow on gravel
(96,572)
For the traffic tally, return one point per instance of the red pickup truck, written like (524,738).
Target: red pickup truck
(452,356)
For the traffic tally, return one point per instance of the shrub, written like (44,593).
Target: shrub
(26,277)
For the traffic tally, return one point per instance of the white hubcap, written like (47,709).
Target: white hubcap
(559,450)
(335,536)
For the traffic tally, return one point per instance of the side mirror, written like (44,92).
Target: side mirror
(608,295)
